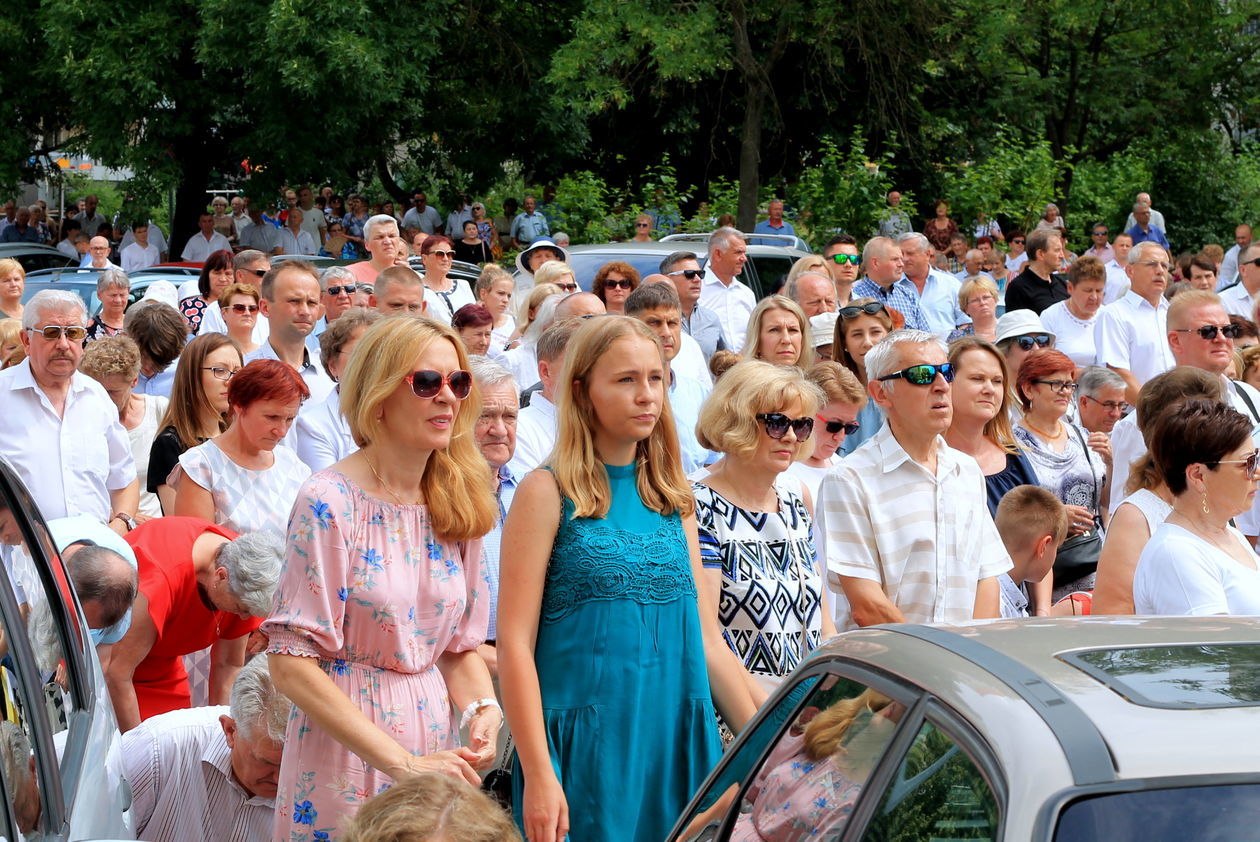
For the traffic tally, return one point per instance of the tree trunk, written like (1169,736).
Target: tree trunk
(190,195)
(755,98)
(398,194)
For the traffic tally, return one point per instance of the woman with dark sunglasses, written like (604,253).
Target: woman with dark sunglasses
(239,306)
(381,604)
(756,538)
(613,284)
(443,293)
(832,424)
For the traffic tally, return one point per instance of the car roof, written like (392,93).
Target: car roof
(987,670)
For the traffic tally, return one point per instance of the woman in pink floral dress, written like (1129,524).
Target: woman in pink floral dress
(383,602)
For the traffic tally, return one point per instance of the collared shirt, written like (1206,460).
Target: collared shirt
(198,248)
(764,227)
(90,223)
(705,327)
(300,244)
(14,234)
(70,463)
(527,227)
(504,491)
(901,296)
(686,396)
(1105,254)
(136,256)
(1117,283)
(535,435)
(1154,233)
(732,304)
(939,303)
(179,767)
(311,371)
(1157,219)
(1029,291)
(263,237)
(1133,335)
(427,220)
(157,384)
(455,223)
(1237,301)
(1229,268)
(321,435)
(690,361)
(927,539)
(156,238)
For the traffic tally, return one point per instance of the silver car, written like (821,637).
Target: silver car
(1125,730)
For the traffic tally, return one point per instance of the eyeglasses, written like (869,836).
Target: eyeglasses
(1058,386)
(833,427)
(219,372)
(348,289)
(1101,233)
(1230,331)
(845,258)
(1249,464)
(447,255)
(923,374)
(54,332)
(642,225)
(777,425)
(1017,242)
(257,273)
(426,383)
(1110,406)
(870,308)
(624,283)
(689,274)
(1041,340)
(569,287)
(1162,265)
(243,308)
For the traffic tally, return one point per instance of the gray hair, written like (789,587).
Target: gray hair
(881,359)
(560,238)
(103,576)
(248,258)
(793,288)
(916,238)
(53,301)
(253,564)
(487,372)
(255,702)
(673,259)
(112,278)
(973,254)
(723,237)
(1095,378)
(335,273)
(1138,254)
(543,318)
(1140,206)
(379,219)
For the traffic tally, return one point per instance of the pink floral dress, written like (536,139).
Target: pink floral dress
(377,598)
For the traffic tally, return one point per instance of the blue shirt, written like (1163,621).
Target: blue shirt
(704,326)
(158,384)
(1154,235)
(939,303)
(504,493)
(528,227)
(901,296)
(764,227)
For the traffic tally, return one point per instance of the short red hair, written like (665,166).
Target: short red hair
(266,380)
(1038,366)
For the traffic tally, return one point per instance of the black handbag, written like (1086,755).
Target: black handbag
(1078,555)
(498,784)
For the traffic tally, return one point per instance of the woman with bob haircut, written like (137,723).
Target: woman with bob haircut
(240,478)
(761,417)
(1196,563)
(382,603)
(605,628)
(778,333)
(613,284)
(832,423)
(239,305)
(216,274)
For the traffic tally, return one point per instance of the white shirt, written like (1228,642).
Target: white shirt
(522,361)
(262,236)
(927,539)
(1015,264)
(1179,573)
(535,435)
(1237,301)
(69,464)
(199,248)
(136,256)
(1073,335)
(311,371)
(939,303)
(312,221)
(426,221)
(690,361)
(156,237)
(301,244)
(1229,268)
(733,305)
(1117,283)
(321,435)
(1133,335)
(179,767)
(212,322)
(455,222)
(444,305)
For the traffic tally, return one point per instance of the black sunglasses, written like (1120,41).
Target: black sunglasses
(833,427)
(923,374)
(257,273)
(777,425)
(349,289)
(624,284)
(689,274)
(1017,242)
(1230,331)
(1026,343)
(852,312)
(846,258)
(426,383)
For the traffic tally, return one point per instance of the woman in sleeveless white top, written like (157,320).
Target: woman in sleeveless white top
(1132,526)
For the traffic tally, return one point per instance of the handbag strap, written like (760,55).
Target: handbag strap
(1090,462)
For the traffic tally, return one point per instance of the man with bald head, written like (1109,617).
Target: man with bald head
(97,256)
(1228,274)
(579,305)
(399,291)
(814,292)
(886,282)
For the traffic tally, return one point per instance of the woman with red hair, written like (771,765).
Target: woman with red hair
(239,478)
(613,284)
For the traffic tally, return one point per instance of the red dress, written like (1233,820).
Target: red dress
(163,548)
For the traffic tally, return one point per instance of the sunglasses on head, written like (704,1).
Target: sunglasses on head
(923,374)
(1040,340)
(833,427)
(243,308)
(845,258)
(689,274)
(777,425)
(54,332)
(1229,331)
(426,383)
(1250,464)
(611,284)
(853,311)
(337,290)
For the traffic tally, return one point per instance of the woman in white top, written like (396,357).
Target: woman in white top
(114,362)
(1196,563)
(1073,321)
(838,417)
(240,479)
(494,292)
(1149,501)
(444,294)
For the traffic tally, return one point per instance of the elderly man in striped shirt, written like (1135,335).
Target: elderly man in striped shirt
(903,520)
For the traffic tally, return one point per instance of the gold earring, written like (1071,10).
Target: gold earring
(1206,511)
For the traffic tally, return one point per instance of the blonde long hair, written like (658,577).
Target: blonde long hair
(579,473)
(998,428)
(456,481)
(825,733)
(752,339)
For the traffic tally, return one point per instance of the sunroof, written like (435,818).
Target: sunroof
(1184,676)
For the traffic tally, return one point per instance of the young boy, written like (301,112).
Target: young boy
(1032,523)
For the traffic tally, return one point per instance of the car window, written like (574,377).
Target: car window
(1192,812)
(937,792)
(772,271)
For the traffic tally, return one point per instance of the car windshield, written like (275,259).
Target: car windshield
(1200,812)
(1186,676)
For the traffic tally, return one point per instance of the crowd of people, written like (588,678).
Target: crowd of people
(363,514)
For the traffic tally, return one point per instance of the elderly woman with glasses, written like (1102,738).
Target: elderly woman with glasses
(113,288)
(444,294)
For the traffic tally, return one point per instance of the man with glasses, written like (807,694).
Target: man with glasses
(700,323)
(843,263)
(1039,285)
(1131,336)
(1100,399)
(883,565)
(59,428)
(1100,247)
(1240,299)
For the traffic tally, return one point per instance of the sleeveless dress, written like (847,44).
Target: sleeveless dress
(621,670)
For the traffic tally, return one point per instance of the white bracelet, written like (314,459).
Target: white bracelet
(475,707)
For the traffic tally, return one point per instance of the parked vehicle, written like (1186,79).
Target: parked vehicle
(34,257)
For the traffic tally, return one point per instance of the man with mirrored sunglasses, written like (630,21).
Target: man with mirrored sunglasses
(843,264)
(903,520)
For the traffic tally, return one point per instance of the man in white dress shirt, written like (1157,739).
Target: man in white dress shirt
(291,303)
(59,429)
(321,435)
(722,291)
(1240,299)
(1117,277)
(1228,273)
(536,424)
(938,291)
(294,240)
(209,772)
(1131,336)
(140,253)
(205,242)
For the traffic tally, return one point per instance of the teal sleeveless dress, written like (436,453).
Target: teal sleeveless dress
(621,668)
